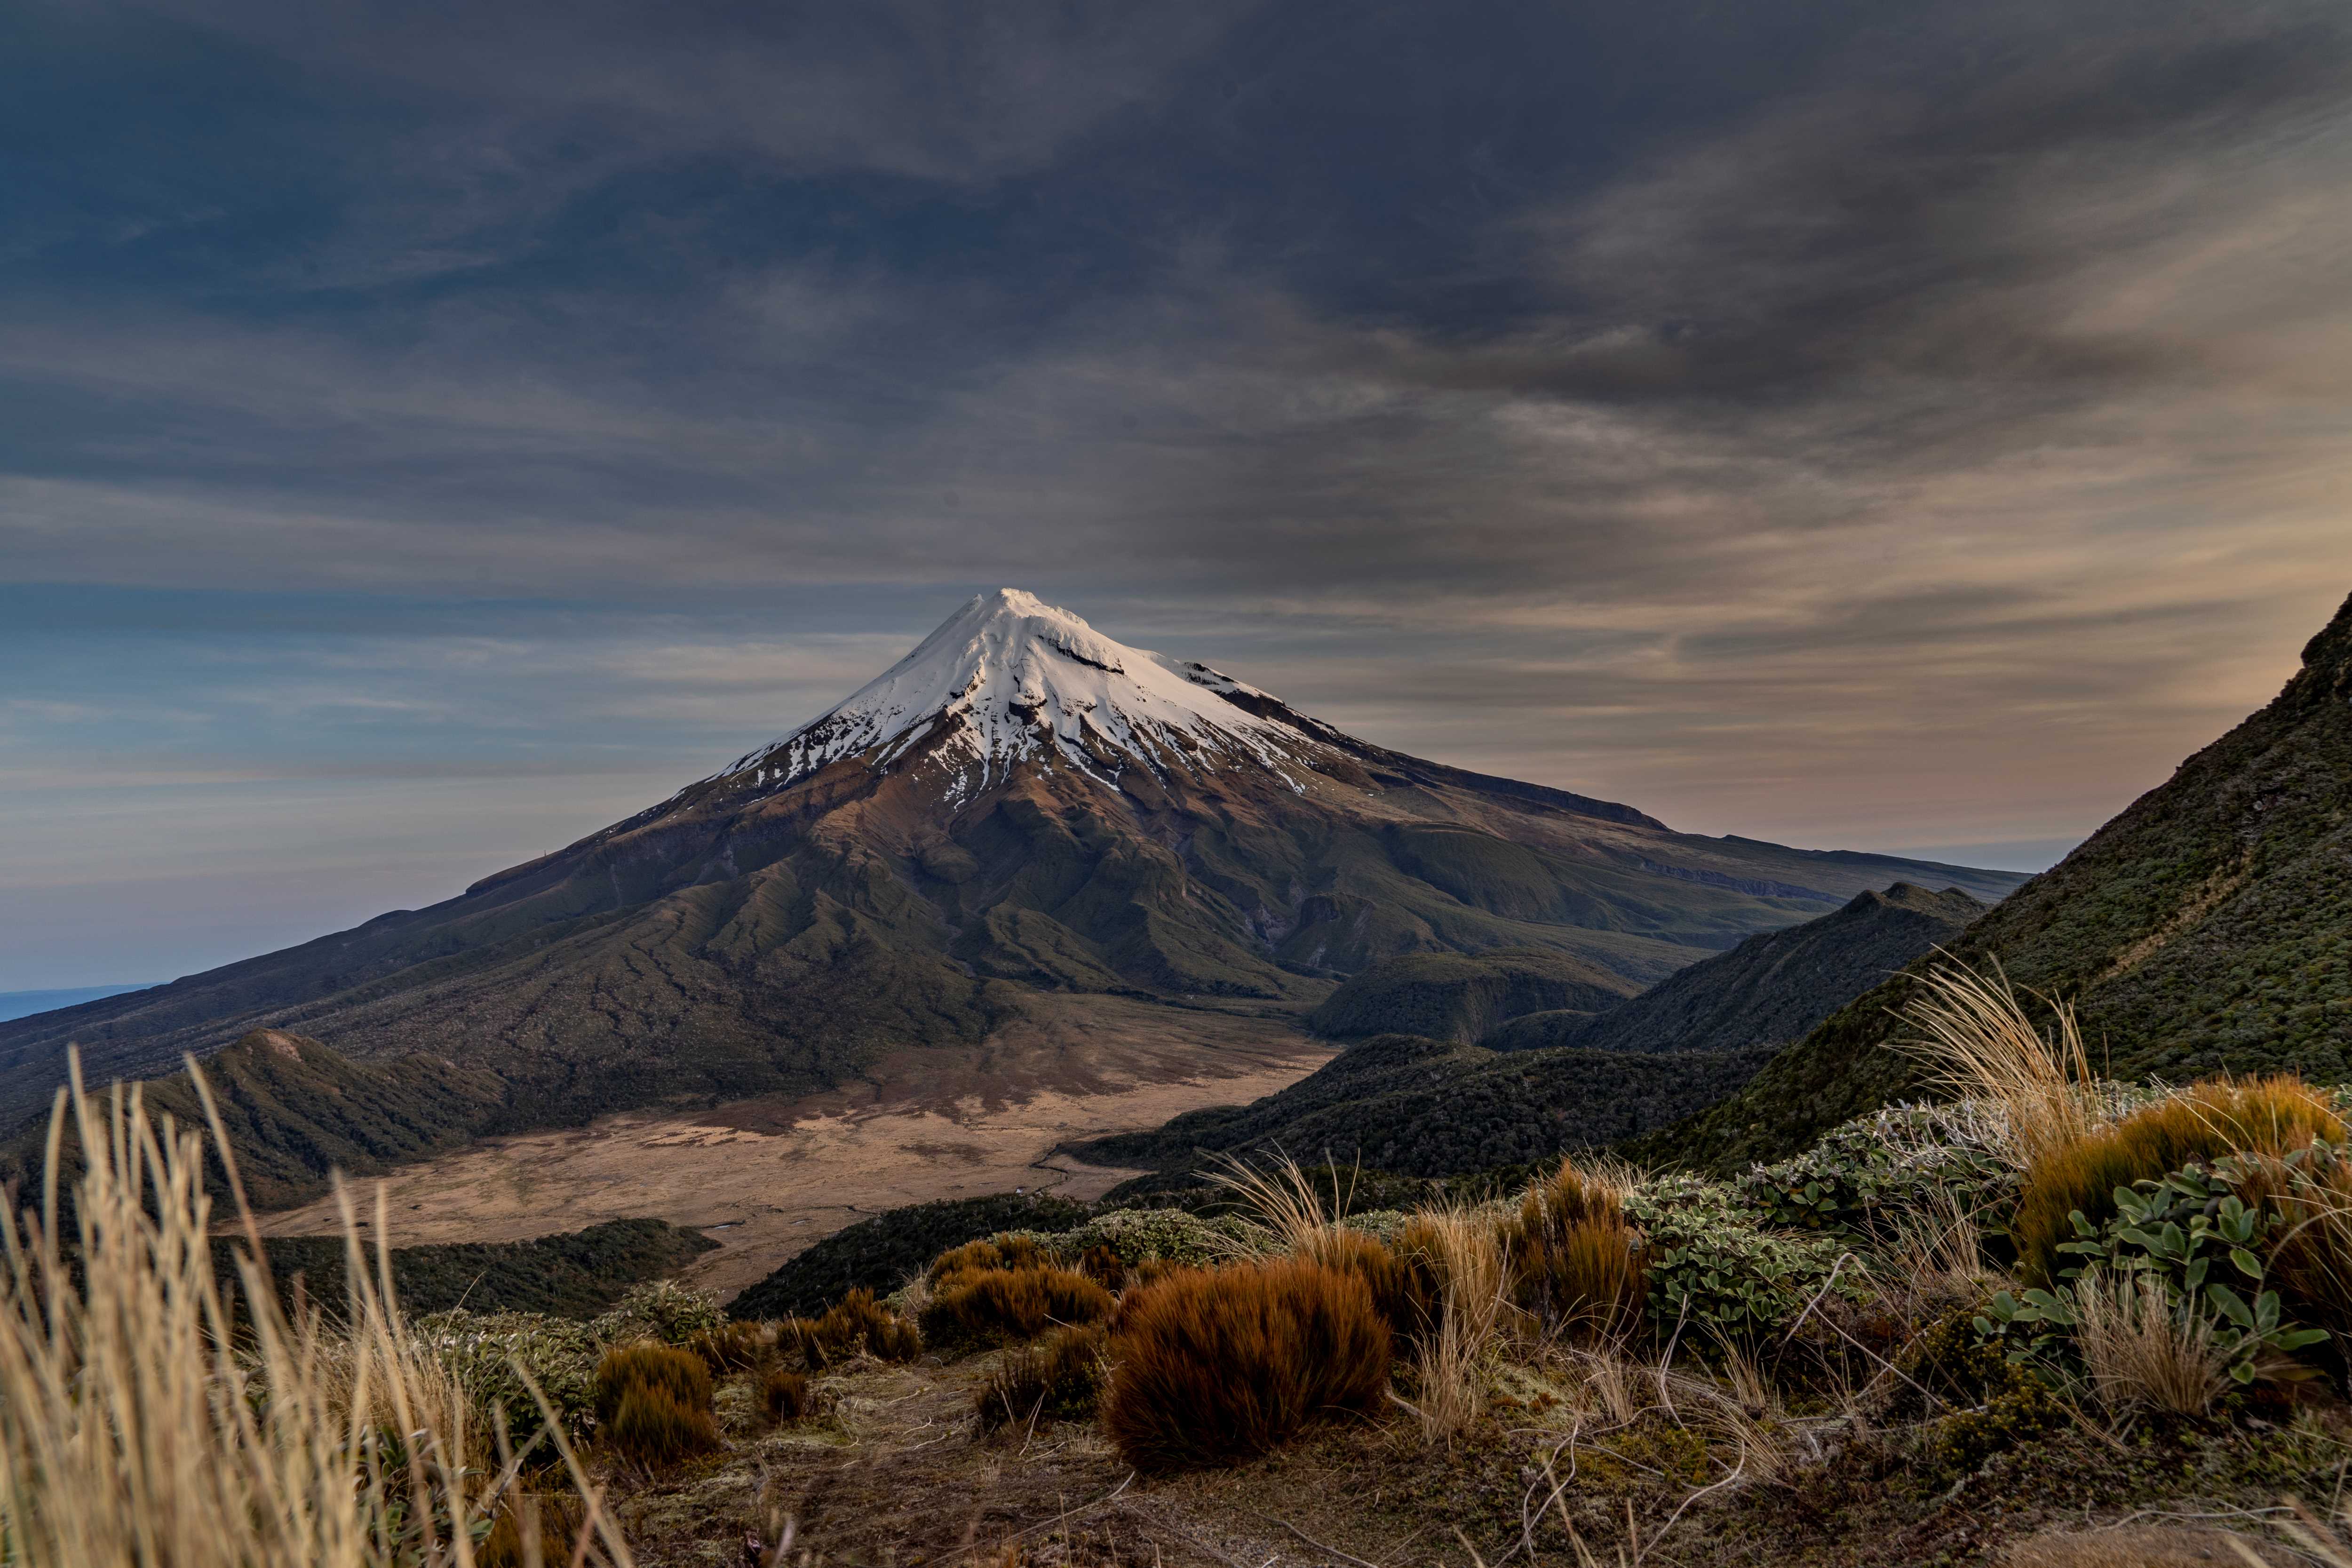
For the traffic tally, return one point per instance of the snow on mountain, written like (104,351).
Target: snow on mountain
(1009,678)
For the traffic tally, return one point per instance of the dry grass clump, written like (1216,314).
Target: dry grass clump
(150,1414)
(734,1346)
(1006,1251)
(2142,1351)
(653,1404)
(1102,1264)
(785,1395)
(1985,1047)
(1211,1366)
(856,1324)
(995,1305)
(2269,1116)
(1464,1255)
(1576,1263)
(1059,1378)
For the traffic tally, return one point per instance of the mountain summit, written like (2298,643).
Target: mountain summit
(1010,679)
(1021,807)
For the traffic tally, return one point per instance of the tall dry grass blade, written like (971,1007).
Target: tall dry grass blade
(150,1413)
(1287,1208)
(1982,1045)
(1475,1286)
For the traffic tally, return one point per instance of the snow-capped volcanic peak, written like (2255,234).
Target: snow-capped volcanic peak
(1009,677)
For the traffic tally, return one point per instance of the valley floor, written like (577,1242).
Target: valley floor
(767,1178)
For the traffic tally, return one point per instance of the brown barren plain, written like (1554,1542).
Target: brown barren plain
(765,1178)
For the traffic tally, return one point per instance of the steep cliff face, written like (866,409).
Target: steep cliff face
(2207,928)
(1020,804)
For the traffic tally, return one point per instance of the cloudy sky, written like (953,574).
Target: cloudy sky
(435,431)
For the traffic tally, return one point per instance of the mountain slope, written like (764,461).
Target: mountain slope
(1418,1106)
(2207,928)
(1020,804)
(1771,989)
(1460,996)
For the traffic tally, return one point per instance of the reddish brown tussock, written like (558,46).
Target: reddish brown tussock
(1213,1366)
(998,1305)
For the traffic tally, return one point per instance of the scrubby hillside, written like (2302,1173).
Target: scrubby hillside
(576,1274)
(296,1110)
(2207,928)
(1463,996)
(1420,1106)
(1770,990)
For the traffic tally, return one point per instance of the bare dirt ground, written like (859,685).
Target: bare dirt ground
(766,1178)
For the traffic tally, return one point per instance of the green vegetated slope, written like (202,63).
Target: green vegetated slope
(1459,997)
(2207,928)
(880,1254)
(295,1111)
(575,1274)
(1771,989)
(1419,1107)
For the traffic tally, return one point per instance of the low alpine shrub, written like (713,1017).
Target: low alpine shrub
(483,1348)
(1712,1273)
(1057,1379)
(1214,1366)
(660,1309)
(996,1305)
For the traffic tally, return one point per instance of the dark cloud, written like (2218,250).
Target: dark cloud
(1888,424)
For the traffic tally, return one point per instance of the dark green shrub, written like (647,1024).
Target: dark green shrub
(996,1305)
(1057,1379)
(1713,1275)
(1213,1366)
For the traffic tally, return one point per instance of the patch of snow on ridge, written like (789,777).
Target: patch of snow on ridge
(1007,677)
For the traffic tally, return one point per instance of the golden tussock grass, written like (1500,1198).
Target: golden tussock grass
(2260,1116)
(2311,1250)
(993,1252)
(1576,1263)
(856,1324)
(785,1395)
(999,1304)
(653,1404)
(1211,1366)
(151,1412)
